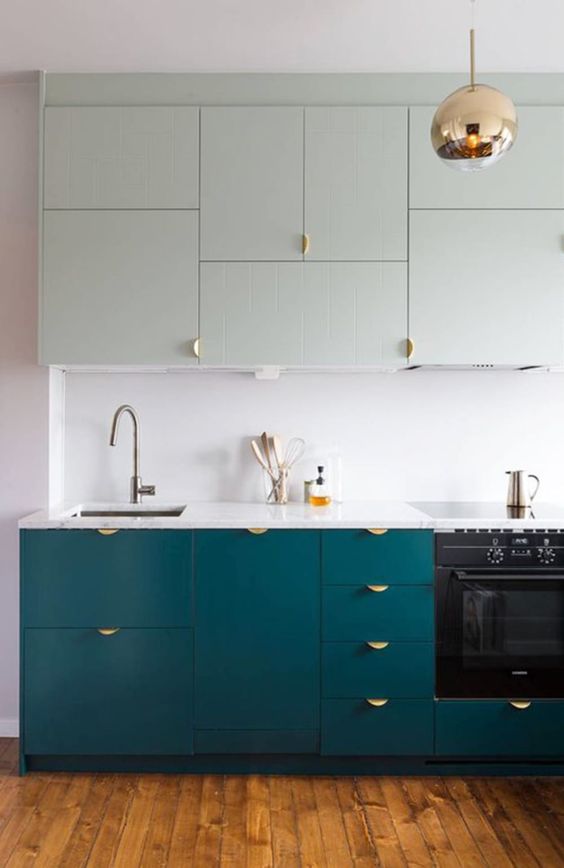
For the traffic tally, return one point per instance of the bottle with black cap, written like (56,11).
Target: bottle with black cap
(319,492)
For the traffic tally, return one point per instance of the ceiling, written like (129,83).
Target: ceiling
(294,35)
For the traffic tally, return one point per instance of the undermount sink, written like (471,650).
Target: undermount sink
(131,512)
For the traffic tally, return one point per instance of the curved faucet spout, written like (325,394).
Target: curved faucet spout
(137,489)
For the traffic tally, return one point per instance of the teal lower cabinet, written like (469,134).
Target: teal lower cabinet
(279,651)
(257,642)
(391,727)
(91,692)
(498,729)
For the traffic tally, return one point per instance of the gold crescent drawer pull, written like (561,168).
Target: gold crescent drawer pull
(410,348)
(377,531)
(108,531)
(377,703)
(378,646)
(196,348)
(257,530)
(108,631)
(377,589)
(305,244)
(521,704)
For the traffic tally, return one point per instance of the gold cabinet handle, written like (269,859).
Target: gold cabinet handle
(377,703)
(108,631)
(377,531)
(196,348)
(305,244)
(257,530)
(108,531)
(410,348)
(377,589)
(521,704)
(377,646)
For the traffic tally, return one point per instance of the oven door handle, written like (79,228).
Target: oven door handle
(463,576)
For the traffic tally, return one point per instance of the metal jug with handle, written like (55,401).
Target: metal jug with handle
(519,493)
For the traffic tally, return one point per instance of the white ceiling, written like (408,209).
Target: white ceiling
(279,35)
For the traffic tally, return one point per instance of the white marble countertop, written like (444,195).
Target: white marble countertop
(359,514)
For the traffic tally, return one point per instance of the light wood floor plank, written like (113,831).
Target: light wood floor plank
(285,844)
(159,833)
(507,834)
(477,823)
(410,836)
(382,830)
(114,821)
(312,852)
(210,823)
(356,826)
(429,822)
(186,822)
(337,852)
(233,840)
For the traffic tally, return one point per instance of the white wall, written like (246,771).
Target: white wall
(24,388)
(411,435)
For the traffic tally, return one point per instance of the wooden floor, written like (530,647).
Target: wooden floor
(73,820)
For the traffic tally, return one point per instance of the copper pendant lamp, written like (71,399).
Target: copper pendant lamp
(475,125)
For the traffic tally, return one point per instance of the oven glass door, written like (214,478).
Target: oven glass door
(500,635)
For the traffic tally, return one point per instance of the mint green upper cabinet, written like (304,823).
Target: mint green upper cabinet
(531,174)
(312,313)
(121,157)
(487,287)
(251,183)
(119,287)
(356,183)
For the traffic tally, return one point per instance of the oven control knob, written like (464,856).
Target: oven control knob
(495,555)
(546,555)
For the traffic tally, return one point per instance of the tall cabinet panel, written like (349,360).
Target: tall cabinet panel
(356,183)
(121,157)
(251,183)
(531,174)
(487,287)
(119,287)
(257,643)
(311,313)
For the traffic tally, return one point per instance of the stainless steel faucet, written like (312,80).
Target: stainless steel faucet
(136,489)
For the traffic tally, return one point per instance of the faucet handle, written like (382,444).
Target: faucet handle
(147,489)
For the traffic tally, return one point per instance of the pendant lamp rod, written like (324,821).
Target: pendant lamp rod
(472,59)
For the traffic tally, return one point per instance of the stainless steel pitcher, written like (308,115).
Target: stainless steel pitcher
(519,492)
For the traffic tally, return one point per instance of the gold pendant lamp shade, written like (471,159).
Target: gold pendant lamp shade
(474,126)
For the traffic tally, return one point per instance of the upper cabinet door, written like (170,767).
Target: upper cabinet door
(487,287)
(119,287)
(311,313)
(252,184)
(530,175)
(356,183)
(130,157)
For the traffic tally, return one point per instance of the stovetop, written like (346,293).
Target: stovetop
(489,513)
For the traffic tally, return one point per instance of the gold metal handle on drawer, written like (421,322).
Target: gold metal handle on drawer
(257,530)
(305,244)
(108,631)
(377,531)
(378,646)
(196,348)
(108,531)
(521,704)
(377,589)
(410,347)
(377,703)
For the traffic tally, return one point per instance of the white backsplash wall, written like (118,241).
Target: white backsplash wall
(411,435)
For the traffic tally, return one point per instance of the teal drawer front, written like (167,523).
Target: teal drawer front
(399,557)
(401,669)
(491,728)
(402,727)
(81,578)
(256,741)
(128,693)
(399,613)
(258,633)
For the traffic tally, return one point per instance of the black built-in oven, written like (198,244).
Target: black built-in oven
(500,614)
